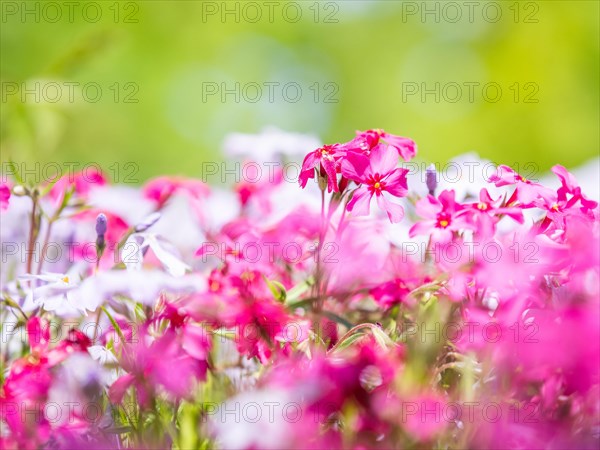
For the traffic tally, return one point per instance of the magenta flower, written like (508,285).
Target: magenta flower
(568,200)
(4,196)
(161,189)
(369,139)
(526,191)
(569,186)
(325,160)
(376,176)
(485,213)
(151,363)
(442,216)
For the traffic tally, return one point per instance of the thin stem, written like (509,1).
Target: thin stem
(31,243)
(98,314)
(45,245)
(342,218)
(318,253)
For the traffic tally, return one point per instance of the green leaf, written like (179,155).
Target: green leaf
(338,319)
(15,172)
(349,341)
(277,289)
(294,293)
(114,324)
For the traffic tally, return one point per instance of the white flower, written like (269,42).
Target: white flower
(142,286)
(269,145)
(58,293)
(102,354)
(138,244)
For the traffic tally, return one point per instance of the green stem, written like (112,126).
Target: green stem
(45,245)
(31,243)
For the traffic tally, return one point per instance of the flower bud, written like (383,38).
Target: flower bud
(19,190)
(101,225)
(431,179)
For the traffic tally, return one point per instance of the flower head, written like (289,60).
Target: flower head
(442,217)
(325,160)
(377,176)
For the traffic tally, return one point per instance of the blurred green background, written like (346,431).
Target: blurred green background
(357,63)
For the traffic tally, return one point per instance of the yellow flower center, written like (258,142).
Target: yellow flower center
(65,279)
(247,276)
(482,206)
(444,223)
(555,207)
(377,185)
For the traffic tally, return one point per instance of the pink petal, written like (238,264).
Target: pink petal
(195,342)
(384,159)
(428,207)
(406,147)
(119,388)
(394,211)
(361,202)
(38,332)
(354,165)
(422,228)
(396,183)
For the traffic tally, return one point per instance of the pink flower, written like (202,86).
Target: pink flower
(442,216)
(487,212)
(567,201)
(325,160)
(82,183)
(151,363)
(406,147)
(256,187)
(4,196)
(376,175)
(526,190)
(27,386)
(161,189)
(569,186)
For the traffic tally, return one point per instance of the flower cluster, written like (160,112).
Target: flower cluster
(263,315)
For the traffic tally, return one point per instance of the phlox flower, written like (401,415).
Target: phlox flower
(568,200)
(570,187)
(82,184)
(366,141)
(252,312)
(194,339)
(397,279)
(27,384)
(58,292)
(161,189)
(325,160)
(485,213)
(379,176)
(271,144)
(256,186)
(442,217)
(151,363)
(138,244)
(526,191)
(4,196)
(143,286)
